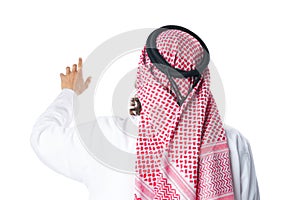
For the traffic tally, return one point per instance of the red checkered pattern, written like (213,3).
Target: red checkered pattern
(182,151)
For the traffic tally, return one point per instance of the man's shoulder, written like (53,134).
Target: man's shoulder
(232,132)
(236,138)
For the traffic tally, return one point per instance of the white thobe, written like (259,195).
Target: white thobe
(55,140)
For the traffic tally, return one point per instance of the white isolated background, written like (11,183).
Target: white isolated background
(254,45)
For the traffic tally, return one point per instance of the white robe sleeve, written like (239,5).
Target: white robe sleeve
(242,164)
(55,142)
(249,187)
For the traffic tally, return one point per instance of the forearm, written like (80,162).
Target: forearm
(60,112)
(55,142)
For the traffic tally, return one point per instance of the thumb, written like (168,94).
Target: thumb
(88,81)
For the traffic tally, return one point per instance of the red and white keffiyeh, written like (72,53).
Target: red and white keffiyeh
(182,151)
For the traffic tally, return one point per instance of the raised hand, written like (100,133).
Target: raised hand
(74,79)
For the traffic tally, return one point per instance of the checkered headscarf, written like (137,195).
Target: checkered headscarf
(182,150)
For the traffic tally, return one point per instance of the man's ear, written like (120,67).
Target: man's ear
(132,111)
(136,110)
(138,106)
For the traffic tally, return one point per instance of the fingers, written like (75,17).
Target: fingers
(68,71)
(74,68)
(79,63)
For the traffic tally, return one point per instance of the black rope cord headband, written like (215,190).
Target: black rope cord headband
(165,67)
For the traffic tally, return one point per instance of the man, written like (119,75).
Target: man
(57,144)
